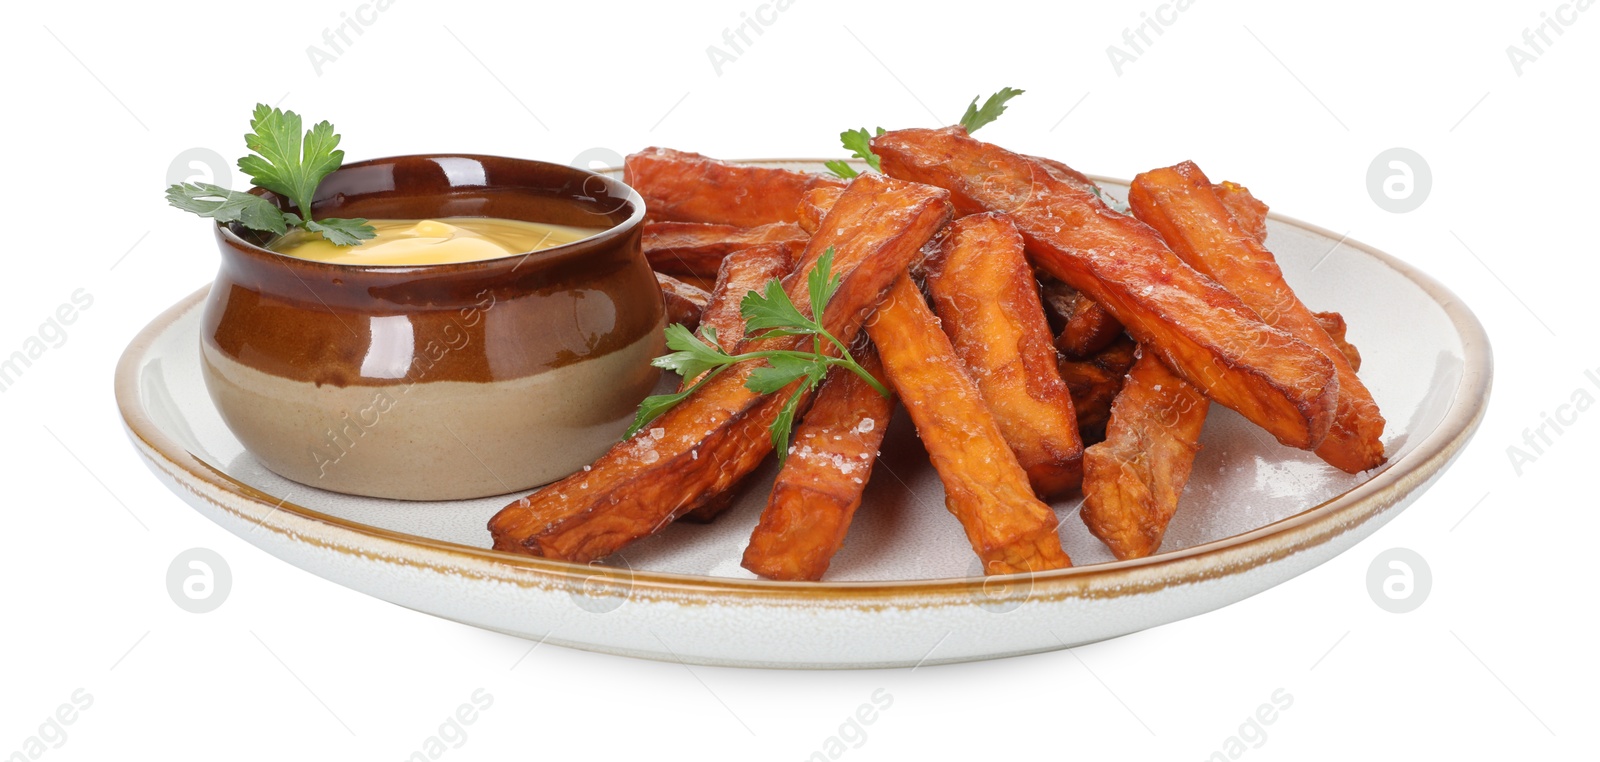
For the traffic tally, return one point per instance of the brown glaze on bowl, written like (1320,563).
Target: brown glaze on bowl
(438,382)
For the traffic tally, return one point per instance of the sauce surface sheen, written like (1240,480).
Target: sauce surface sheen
(447,240)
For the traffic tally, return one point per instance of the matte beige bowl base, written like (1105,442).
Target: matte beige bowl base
(905,588)
(397,440)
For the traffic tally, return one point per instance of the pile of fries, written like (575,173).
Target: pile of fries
(1041,341)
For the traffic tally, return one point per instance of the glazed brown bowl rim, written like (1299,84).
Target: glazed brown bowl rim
(226,234)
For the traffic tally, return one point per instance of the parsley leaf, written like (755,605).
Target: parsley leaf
(341,232)
(771,309)
(769,312)
(224,205)
(840,168)
(779,372)
(652,407)
(782,425)
(708,334)
(281,163)
(821,283)
(860,144)
(993,107)
(286,162)
(691,356)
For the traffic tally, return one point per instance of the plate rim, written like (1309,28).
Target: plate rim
(1224,557)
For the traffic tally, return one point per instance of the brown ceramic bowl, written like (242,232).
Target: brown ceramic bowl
(438,382)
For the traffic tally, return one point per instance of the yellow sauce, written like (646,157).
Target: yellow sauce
(433,242)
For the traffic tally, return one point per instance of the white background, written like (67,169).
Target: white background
(1293,100)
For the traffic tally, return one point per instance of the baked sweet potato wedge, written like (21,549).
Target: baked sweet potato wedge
(1094,383)
(987,300)
(817,491)
(1203,332)
(1132,480)
(686,187)
(711,440)
(1251,214)
(685,303)
(1083,328)
(698,248)
(1180,202)
(984,486)
(743,271)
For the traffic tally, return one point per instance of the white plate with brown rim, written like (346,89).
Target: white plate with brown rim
(904,590)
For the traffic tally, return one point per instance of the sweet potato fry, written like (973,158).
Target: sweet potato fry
(1083,328)
(698,248)
(984,487)
(1179,202)
(1204,333)
(814,205)
(819,487)
(1132,480)
(1252,216)
(685,303)
(686,187)
(708,442)
(743,271)
(1333,323)
(987,300)
(1094,384)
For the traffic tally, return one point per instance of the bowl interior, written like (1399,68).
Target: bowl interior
(1242,480)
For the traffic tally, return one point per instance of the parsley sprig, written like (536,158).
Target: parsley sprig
(286,162)
(993,107)
(767,313)
(859,142)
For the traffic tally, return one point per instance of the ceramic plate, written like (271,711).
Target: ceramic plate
(905,589)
